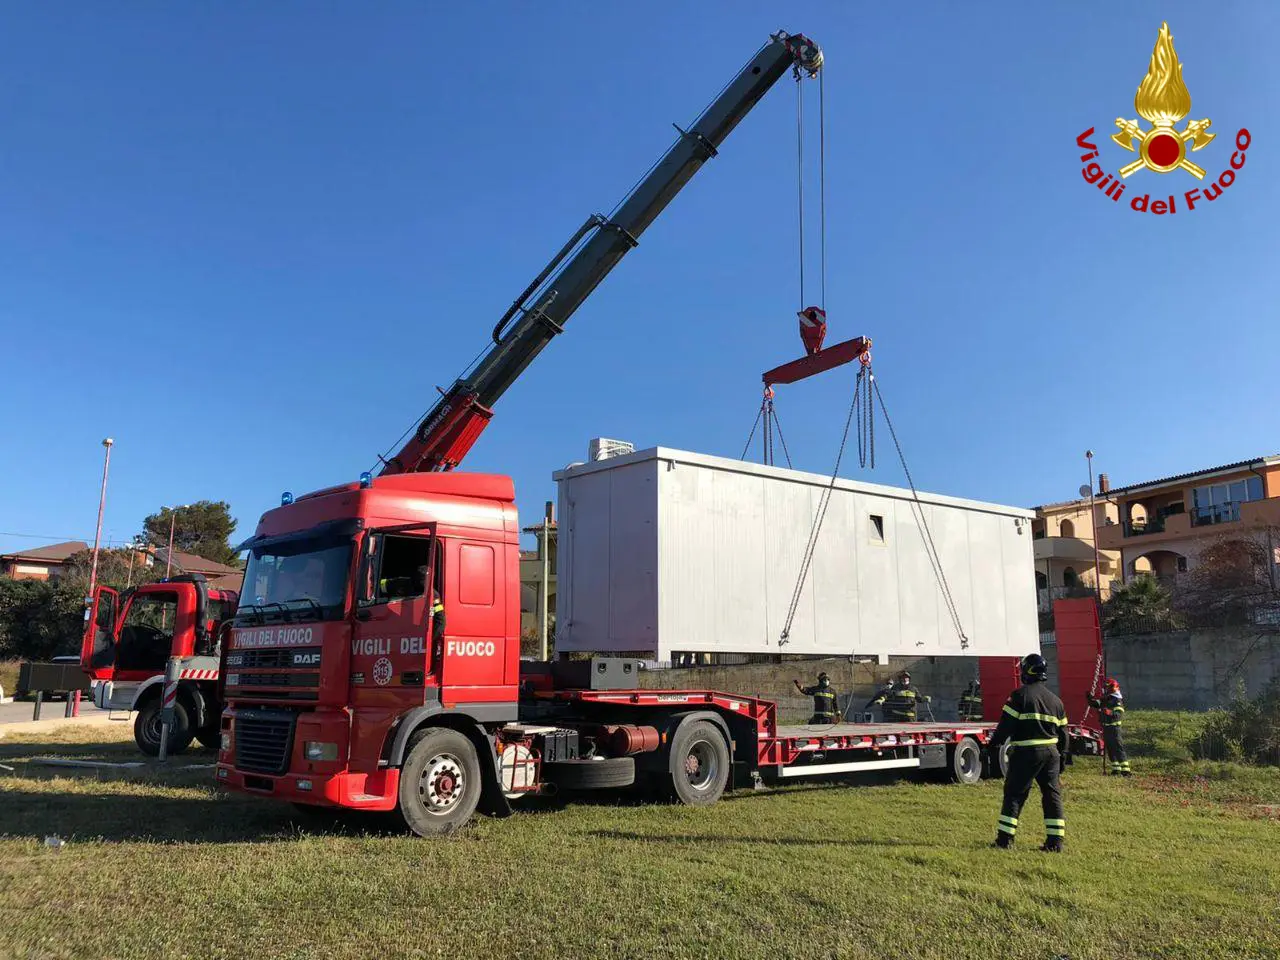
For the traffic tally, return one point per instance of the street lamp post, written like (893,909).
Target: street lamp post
(168,557)
(97,537)
(1093,518)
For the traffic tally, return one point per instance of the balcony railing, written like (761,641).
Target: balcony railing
(1046,595)
(1218,513)
(1139,528)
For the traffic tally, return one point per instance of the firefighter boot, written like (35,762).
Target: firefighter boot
(1052,845)
(1003,840)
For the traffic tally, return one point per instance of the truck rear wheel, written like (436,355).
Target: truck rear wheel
(966,761)
(439,783)
(147,727)
(698,763)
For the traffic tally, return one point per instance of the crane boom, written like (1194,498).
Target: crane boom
(449,430)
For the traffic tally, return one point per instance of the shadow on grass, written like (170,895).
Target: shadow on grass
(120,817)
(114,752)
(694,838)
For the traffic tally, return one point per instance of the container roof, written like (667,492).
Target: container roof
(705,461)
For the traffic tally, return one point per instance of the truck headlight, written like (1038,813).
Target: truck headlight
(226,741)
(320,750)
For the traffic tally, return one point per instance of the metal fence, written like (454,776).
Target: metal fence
(1260,611)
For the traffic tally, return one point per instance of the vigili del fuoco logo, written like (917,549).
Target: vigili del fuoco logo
(1162,100)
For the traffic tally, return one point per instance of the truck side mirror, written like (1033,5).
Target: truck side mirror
(365,594)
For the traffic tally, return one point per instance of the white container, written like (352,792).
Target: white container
(662,550)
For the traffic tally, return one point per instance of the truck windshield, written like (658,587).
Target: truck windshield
(297,579)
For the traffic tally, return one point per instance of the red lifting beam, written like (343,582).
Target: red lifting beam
(819,362)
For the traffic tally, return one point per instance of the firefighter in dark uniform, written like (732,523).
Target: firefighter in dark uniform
(1034,723)
(971,702)
(824,699)
(900,700)
(437,616)
(1111,709)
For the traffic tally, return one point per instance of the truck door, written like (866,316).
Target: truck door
(391,660)
(98,645)
(149,622)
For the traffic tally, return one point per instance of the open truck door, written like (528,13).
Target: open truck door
(98,645)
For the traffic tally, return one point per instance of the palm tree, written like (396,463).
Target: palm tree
(1138,606)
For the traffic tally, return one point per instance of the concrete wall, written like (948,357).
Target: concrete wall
(1189,670)
(943,678)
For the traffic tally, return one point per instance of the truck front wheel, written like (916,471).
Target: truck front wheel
(439,782)
(698,763)
(149,723)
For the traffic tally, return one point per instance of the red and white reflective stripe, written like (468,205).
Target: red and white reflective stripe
(170,695)
(819,316)
(198,675)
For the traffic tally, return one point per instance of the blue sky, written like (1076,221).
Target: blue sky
(247,241)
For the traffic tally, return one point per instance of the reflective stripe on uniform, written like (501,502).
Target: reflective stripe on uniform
(1033,743)
(1056,721)
(1008,825)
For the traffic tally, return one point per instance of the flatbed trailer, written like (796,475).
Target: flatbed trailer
(761,751)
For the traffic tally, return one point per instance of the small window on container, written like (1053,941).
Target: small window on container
(877,528)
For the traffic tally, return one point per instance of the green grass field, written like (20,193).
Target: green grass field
(1176,862)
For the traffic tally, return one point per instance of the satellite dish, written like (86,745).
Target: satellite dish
(1085,490)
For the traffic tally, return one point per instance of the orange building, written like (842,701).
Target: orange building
(1062,544)
(1161,526)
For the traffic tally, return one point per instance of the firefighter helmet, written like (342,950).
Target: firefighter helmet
(822,677)
(904,677)
(1034,667)
(1112,685)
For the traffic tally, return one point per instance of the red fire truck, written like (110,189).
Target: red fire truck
(342,693)
(128,640)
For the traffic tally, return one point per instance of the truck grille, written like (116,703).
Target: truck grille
(310,680)
(274,659)
(264,740)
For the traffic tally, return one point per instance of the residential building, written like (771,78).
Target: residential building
(39,563)
(531,576)
(1163,525)
(1063,546)
(44,563)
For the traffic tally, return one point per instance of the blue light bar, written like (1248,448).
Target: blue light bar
(286,498)
(366,479)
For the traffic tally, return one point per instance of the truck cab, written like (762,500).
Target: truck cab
(332,667)
(129,639)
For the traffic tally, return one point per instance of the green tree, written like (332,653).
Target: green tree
(40,618)
(118,568)
(1138,606)
(202,528)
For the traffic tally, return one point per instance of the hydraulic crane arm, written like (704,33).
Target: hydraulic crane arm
(452,426)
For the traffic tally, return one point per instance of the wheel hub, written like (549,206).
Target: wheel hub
(700,765)
(442,784)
